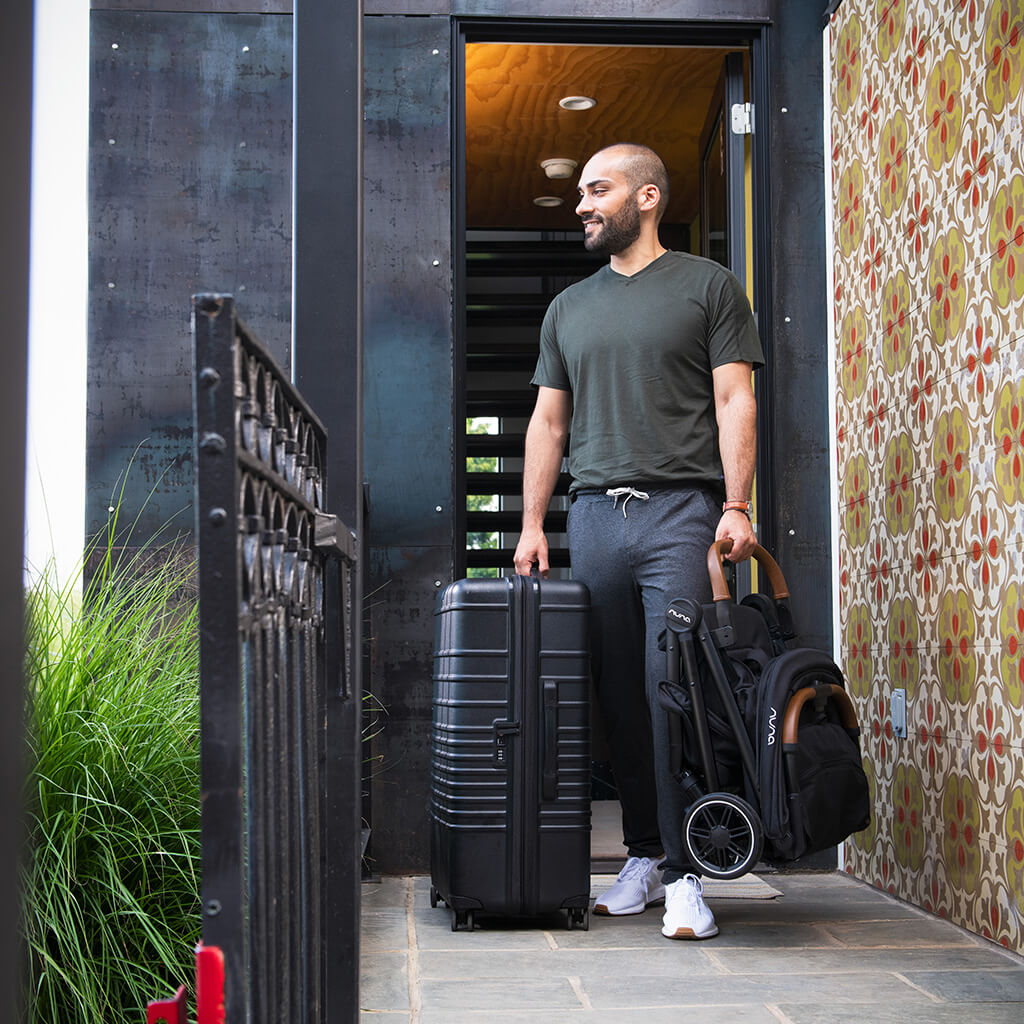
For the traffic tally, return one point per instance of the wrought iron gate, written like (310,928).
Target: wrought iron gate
(277,593)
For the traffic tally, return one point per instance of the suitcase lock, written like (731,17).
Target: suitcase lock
(502,730)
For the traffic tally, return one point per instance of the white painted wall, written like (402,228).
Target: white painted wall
(55,455)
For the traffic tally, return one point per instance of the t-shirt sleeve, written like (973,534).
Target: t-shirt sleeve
(732,333)
(550,372)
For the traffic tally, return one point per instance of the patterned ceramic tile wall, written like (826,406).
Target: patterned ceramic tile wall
(927,152)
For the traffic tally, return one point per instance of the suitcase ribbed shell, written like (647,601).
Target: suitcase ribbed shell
(510,744)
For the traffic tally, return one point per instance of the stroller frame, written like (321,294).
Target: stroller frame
(722,831)
(725,833)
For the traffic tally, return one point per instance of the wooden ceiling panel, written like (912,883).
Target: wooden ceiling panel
(658,96)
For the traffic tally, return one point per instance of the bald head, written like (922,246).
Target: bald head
(641,166)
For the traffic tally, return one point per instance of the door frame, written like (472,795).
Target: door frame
(755,34)
(728,92)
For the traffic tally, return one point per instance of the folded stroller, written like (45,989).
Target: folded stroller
(765,741)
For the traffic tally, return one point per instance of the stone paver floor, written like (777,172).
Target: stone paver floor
(830,950)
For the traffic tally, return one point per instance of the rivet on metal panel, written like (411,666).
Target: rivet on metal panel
(792,533)
(209,305)
(208,376)
(241,145)
(437,583)
(245,49)
(435,263)
(112,142)
(113,46)
(437,508)
(788,319)
(218,516)
(785,110)
(110,284)
(435,52)
(212,908)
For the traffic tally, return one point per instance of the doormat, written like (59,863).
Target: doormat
(746,887)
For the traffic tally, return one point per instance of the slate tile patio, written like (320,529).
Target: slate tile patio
(829,950)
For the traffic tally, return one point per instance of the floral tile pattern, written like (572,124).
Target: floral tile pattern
(927,151)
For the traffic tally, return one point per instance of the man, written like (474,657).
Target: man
(649,362)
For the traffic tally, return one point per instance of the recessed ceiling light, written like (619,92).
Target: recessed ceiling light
(547,201)
(577,102)
(558,167)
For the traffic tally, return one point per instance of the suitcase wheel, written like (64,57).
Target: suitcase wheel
(722,834)
(434,896)
(578,917)
(463,919)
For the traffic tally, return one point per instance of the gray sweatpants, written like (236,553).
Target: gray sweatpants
(636,558)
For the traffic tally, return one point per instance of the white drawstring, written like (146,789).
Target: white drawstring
(629,492)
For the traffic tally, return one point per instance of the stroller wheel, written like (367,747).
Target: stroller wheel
(722,834)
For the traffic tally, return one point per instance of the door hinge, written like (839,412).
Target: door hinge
(742,118)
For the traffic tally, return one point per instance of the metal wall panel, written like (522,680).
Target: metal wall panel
(197,6)
(800,435)
(408,280)
(408,400)
(627,10)
(401,626)
(190,190)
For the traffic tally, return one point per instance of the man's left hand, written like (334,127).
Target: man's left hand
(735,526)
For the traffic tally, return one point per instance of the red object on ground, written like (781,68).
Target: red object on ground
(168,1011)
(209,985)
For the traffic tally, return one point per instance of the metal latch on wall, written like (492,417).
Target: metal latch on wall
(898,704)
(742,118)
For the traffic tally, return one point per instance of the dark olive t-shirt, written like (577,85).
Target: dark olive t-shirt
(636,353)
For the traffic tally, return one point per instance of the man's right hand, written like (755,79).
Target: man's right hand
(532,550)
(545,442)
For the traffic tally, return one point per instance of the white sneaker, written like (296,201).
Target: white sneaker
(686,914)
(636,888)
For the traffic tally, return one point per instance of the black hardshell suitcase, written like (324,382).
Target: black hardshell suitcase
(510,749)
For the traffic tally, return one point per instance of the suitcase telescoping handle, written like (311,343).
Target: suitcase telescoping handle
(719,587)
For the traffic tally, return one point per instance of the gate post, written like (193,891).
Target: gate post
(15,179)
(327,331)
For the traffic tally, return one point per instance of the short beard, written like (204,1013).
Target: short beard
(618,233)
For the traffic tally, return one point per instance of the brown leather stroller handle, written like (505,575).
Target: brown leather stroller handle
(720,589)
(796,704)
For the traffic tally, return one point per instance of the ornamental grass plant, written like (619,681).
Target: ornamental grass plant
(111,876)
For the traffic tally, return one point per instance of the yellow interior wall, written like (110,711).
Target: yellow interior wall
(748,220)
(928,247)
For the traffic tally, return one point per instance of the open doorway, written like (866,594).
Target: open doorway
(525,104)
